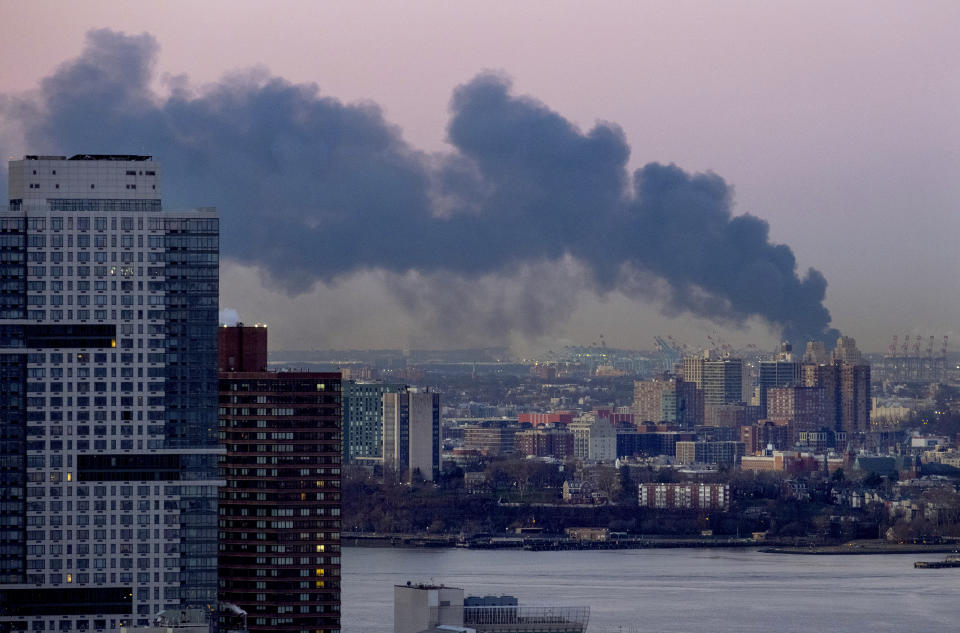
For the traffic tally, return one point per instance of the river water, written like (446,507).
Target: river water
(672,590)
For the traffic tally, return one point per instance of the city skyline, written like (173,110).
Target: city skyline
(844,152)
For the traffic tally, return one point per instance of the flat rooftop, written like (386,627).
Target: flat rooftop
(116,157)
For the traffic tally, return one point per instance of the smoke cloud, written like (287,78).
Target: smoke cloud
(312,190)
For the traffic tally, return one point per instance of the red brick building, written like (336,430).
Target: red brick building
(279,526)
(803,407)
(685,496)
(540,419)
(556,443)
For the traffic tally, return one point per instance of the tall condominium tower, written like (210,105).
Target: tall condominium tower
(363,419)
(776,373)
(108,420)
(280,508)
(722,381)
(846,395)
(668,399)
(411,433)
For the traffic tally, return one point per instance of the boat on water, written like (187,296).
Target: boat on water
(950,561)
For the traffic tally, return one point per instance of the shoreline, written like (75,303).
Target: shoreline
(859,548)
(542,544)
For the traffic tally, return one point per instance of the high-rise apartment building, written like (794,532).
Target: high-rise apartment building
(722,381)
(108,439)
(693,370)
(776,373)
(545,442)
(280,508)
(855,402)
(846,385)
(594,439)
(363,419)
(801,407)
(648,398)
(682,403)
(816,353)
(668,399)
(846,351)
(411,433)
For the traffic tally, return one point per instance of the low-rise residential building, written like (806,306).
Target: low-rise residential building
(642,443)
(543,419)
(491,437)
(685,496)
(718,453)
(549,442)
(594,439)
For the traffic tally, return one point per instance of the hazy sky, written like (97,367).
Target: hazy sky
(836,122)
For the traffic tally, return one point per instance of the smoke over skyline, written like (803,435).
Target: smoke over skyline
(499,235)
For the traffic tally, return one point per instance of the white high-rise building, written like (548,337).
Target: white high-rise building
(411,433)
(108,396)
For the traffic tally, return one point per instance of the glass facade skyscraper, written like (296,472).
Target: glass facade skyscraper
(108,396)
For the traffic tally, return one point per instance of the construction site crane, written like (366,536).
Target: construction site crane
(669,354)
(892,348)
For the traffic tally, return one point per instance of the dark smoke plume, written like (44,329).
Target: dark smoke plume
(312,189)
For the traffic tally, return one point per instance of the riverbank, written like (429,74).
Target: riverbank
(867,547)
(543,544)
(535,543)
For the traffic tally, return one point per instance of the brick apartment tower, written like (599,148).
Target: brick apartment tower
(279,535)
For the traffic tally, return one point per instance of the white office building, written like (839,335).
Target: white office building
(108,396)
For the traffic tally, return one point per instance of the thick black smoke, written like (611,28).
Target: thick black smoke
(311,189)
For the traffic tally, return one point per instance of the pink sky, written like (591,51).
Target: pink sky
(835,121)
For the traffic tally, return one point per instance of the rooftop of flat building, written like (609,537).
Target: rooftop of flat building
(425,585)
(113,157)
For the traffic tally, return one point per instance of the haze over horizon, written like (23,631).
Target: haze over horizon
(840,135)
